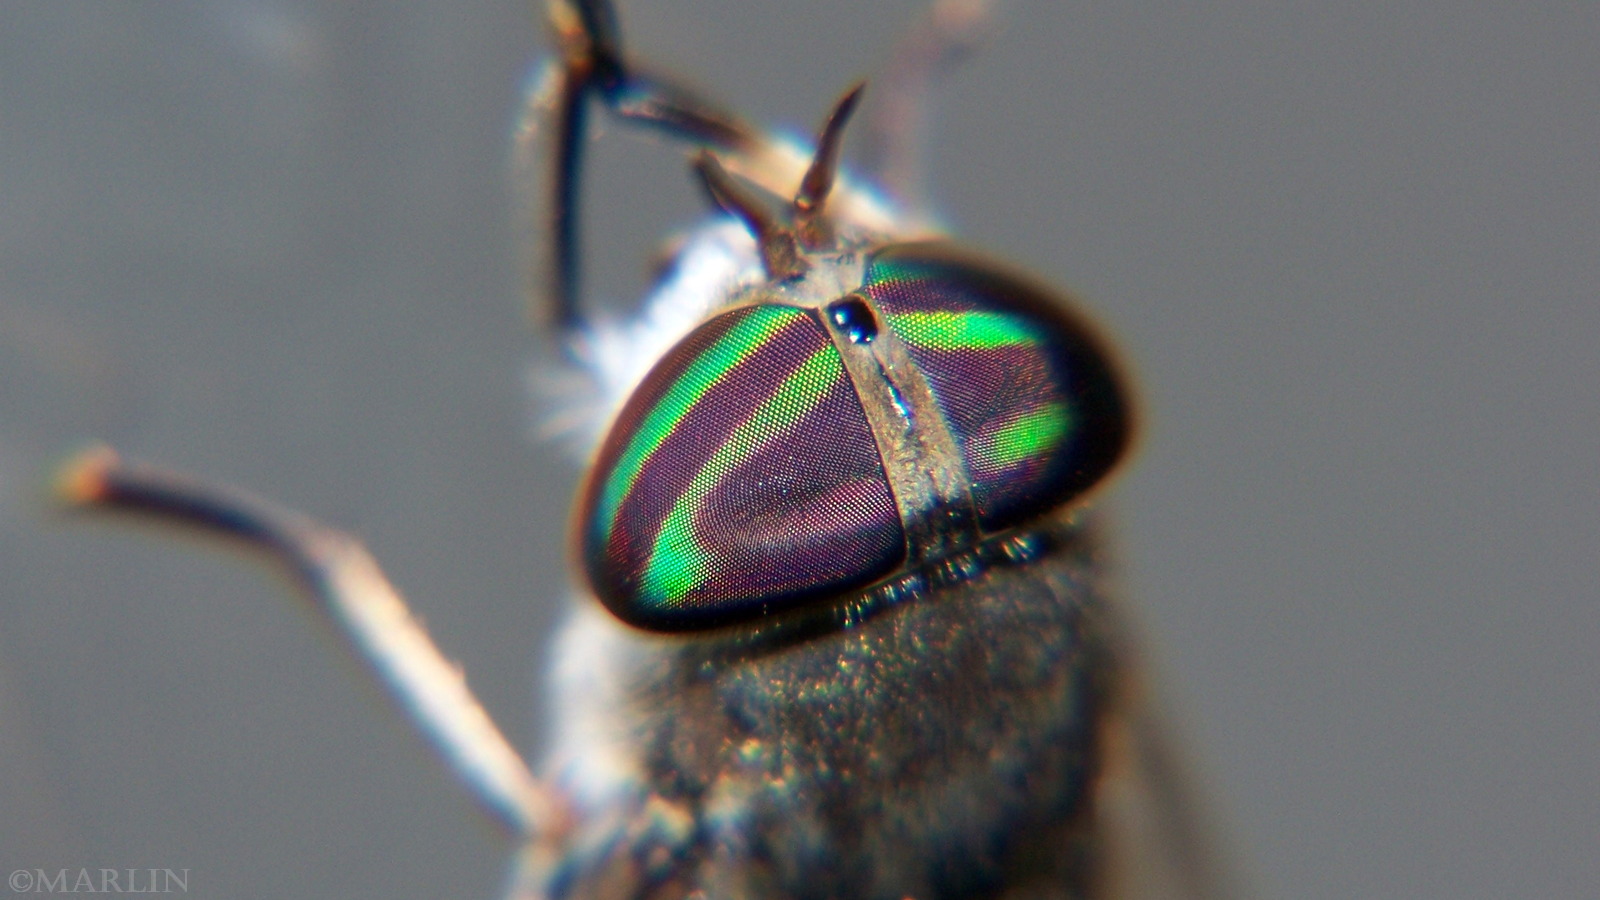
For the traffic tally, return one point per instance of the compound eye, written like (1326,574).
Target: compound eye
(740,479)
(1031,396)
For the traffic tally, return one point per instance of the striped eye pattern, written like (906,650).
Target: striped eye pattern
(743,477)
(1027,392)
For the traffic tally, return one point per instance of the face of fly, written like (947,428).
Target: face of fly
(846,625)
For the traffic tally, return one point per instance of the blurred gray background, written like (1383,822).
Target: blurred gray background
(1352,254)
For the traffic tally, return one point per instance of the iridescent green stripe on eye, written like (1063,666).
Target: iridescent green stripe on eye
(678,563)
(967,330)
(710,366)
(1027,437)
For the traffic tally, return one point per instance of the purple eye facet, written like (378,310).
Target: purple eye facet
(1030,396)
(743,478)
(740,479)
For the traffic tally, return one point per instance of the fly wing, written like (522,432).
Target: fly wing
(1157,838)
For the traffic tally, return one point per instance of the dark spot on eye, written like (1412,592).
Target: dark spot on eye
(854,317)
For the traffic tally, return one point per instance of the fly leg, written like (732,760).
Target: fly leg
(347,586)
(553,129)
(896,126)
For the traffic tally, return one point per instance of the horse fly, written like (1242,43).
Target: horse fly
(848,629)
